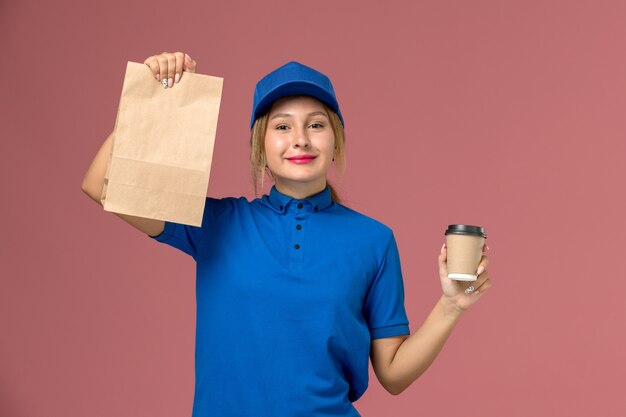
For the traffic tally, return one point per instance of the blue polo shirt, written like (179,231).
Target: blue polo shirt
(289,294)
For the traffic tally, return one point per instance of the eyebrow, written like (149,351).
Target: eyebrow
(315,113)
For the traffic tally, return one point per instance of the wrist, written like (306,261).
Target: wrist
(450,308)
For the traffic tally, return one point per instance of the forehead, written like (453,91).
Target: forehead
(294,104)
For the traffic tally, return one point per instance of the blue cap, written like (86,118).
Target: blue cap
(289,80)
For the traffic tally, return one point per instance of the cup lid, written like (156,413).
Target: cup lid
(465,229)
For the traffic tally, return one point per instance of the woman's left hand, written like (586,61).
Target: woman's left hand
(462,294)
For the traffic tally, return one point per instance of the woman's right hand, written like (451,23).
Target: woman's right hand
(170,66)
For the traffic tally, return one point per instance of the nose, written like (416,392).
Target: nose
(301,138)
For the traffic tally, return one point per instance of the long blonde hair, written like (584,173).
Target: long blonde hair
(257,151)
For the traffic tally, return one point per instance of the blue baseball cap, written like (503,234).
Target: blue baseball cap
(289,80)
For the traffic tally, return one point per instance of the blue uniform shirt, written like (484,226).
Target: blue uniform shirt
(289,294)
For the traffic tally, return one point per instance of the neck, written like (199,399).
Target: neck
(299,190)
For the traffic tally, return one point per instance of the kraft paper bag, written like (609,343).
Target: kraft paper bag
(162,147)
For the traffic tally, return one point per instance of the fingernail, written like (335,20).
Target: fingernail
(170,82)
(443,247)
(177,78)
(158,77)
(187,58)
(481,269)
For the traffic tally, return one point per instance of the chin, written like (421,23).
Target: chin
(304,180)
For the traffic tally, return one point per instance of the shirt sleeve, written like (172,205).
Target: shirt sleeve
(189,238)
(384,301)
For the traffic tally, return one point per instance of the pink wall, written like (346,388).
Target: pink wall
(508,114)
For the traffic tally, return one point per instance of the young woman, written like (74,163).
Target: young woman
(295,292)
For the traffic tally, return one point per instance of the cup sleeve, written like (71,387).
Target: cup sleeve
(383,307)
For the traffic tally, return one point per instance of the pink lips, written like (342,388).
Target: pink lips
(301,159)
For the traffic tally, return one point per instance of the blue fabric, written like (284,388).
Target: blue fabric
(289,294)
(292,79)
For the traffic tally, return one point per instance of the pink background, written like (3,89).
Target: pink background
(508,114)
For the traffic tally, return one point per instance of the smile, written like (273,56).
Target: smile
(301,159)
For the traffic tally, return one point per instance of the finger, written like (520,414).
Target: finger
(483,287)
(162,60)
(180,62)
(481,279)
(153,64)
(443,265)
(472,286)
(482,265)
(171,69)
(190,64)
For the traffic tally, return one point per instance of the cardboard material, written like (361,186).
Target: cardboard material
(162,147)
(464,254)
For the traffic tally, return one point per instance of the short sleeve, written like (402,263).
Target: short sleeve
(189,238)
(384,301)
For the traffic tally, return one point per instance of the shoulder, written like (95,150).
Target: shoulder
(362,219)
(215,208)
(364,225)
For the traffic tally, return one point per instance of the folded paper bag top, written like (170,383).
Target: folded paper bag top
(162,147)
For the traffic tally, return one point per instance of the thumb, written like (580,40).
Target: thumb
(443,265)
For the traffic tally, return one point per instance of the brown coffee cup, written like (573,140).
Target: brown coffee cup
(465,247)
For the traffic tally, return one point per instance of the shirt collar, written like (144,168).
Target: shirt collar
(319,201)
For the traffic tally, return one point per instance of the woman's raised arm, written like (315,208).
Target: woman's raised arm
(94,181)
(168,66)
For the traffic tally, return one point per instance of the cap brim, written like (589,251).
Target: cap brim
(294,88)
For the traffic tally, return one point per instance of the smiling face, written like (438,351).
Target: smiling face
(299,145)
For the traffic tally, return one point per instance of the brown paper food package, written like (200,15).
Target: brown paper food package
(162,147)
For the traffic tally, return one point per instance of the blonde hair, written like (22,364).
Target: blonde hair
(257,151)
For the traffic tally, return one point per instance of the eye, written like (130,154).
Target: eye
(316,125)
(281,127)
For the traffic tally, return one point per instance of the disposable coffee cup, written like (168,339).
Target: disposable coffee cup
(465,248)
